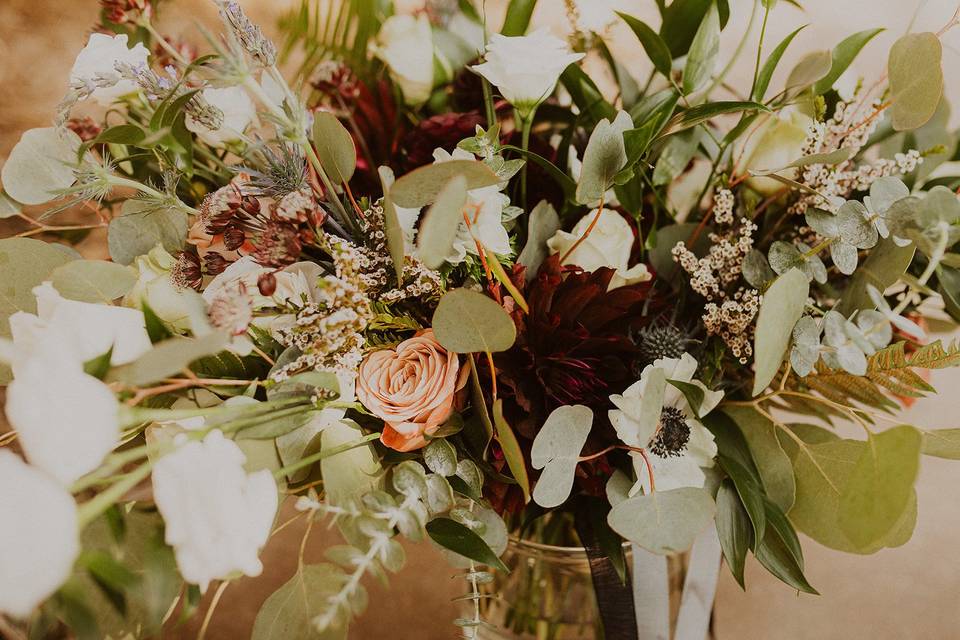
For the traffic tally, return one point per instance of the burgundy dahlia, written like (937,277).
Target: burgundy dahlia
(442,131)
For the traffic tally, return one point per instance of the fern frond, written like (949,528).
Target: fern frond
(890,370)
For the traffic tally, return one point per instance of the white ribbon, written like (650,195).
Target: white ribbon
(651,594)
(699,588)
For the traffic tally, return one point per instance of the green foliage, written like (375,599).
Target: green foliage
(518,17)
(391,223)
(441,223)
(603,158)
(289,612)
(663,522)
(770,65)
(843,56)
(468,321)
(657,50)
(40,165)
(421,186)
(96,281)
(335,148)
(511,449)
(143,225)
(783,304)
(704,52)
(556,450)
(733,529)
(460,539)
(168,358)
(916,79)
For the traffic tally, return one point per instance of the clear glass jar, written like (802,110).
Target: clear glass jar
(548,594)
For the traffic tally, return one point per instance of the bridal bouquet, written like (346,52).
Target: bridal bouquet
(438,281)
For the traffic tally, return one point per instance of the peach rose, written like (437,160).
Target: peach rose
(411,388)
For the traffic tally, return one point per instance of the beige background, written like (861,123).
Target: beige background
(911,592)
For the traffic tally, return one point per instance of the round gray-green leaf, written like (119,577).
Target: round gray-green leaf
(441,223)
(812,67)
(806,346)
(96,281)
(421,186)
(916,79)
(335,148)
(141,226)
(844,256)
(603,158)
(854,227)
(467,321)
(40,165)
(663,522)
(556,450)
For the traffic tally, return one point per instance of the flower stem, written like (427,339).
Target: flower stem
(320,455)
(90,510)
(526,122)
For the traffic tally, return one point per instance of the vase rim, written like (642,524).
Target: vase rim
(539,546)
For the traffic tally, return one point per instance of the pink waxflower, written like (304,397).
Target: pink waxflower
(411,388)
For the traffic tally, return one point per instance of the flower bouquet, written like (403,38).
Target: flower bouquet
(437,281)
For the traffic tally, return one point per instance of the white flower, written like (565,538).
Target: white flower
(777,141)
(405,44)
(525,69)
(485,208)
(38,536)
(238,113)
(82,331)
(66,420)
(608,245)
(98,60)
(669,431)
(217,515)
(294,283)
(181,308)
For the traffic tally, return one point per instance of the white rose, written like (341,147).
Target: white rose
(180,308)
(238,113)
(777,141)
(217,515)
(82,330)
(66,421)
(99,58)
(405,44)
(608,245)
(38,543)
(525,69)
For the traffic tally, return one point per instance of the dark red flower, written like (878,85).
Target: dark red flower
(84,127)
(442,131)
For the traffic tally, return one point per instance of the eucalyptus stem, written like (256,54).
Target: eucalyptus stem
(526,124)
(90,510)
(320,455)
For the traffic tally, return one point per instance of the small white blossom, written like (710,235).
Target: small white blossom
(217,515)
(97,62)
(608,245)
(525,69)
(38,536)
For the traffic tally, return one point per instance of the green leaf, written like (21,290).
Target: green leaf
(664,522)
(421,186)
(782,306)
(94,281)
(773,554)
(675,157)
(882,268)
(750,492)
(168,358)
(543,224)
(587,96)
(941,443)
(40,165)
(351,473)
(770,65)
(733,529)
(335,148)
(693,394)
(657,50)
(682,19)
(460,539)
(440,457)
(289,612)
(467,321)
(511,449)
(141,226)
(121,134)
(811,69)
(8,206)
(880,485)
(916,79)
(843,55)
(701,113)
(518,17)
(704,52)
(391,223)
(831,158)
(667,238)
(603,158)
(773,464)
(556,450)
(441,223)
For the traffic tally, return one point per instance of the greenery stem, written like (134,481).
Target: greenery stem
(320,455)
(526,124)
(90,510)
(756,66)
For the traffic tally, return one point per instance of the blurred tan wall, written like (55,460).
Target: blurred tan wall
(911,592)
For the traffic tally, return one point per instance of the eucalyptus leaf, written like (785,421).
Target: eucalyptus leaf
(756,270)
(831,158)
(843,56)
(40,165)
(544,223)
(854,227)
(94,281)
(168,358)
(882,268)
(770,65)
(603,158)
(844,256)
(460,539)
(916,79)
(806,346)
(141,226)
(391,223)
(812,68)
(441,457)
(441,223)
(290,611)
(351,473)
(782,307)
(556,450)
(335,148)
(941,443)
(467,321)
(773,464)
(421,186)
(675,157)
(8,206)
(664,522)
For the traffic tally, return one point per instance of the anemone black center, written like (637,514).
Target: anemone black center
(674,433)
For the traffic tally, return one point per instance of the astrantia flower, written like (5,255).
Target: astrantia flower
(677,445)
(39,541)
(96,65)
(405,44)
(574,345)
(238,113)
(217,515)
(66,420)
(609,244)
(525,69)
